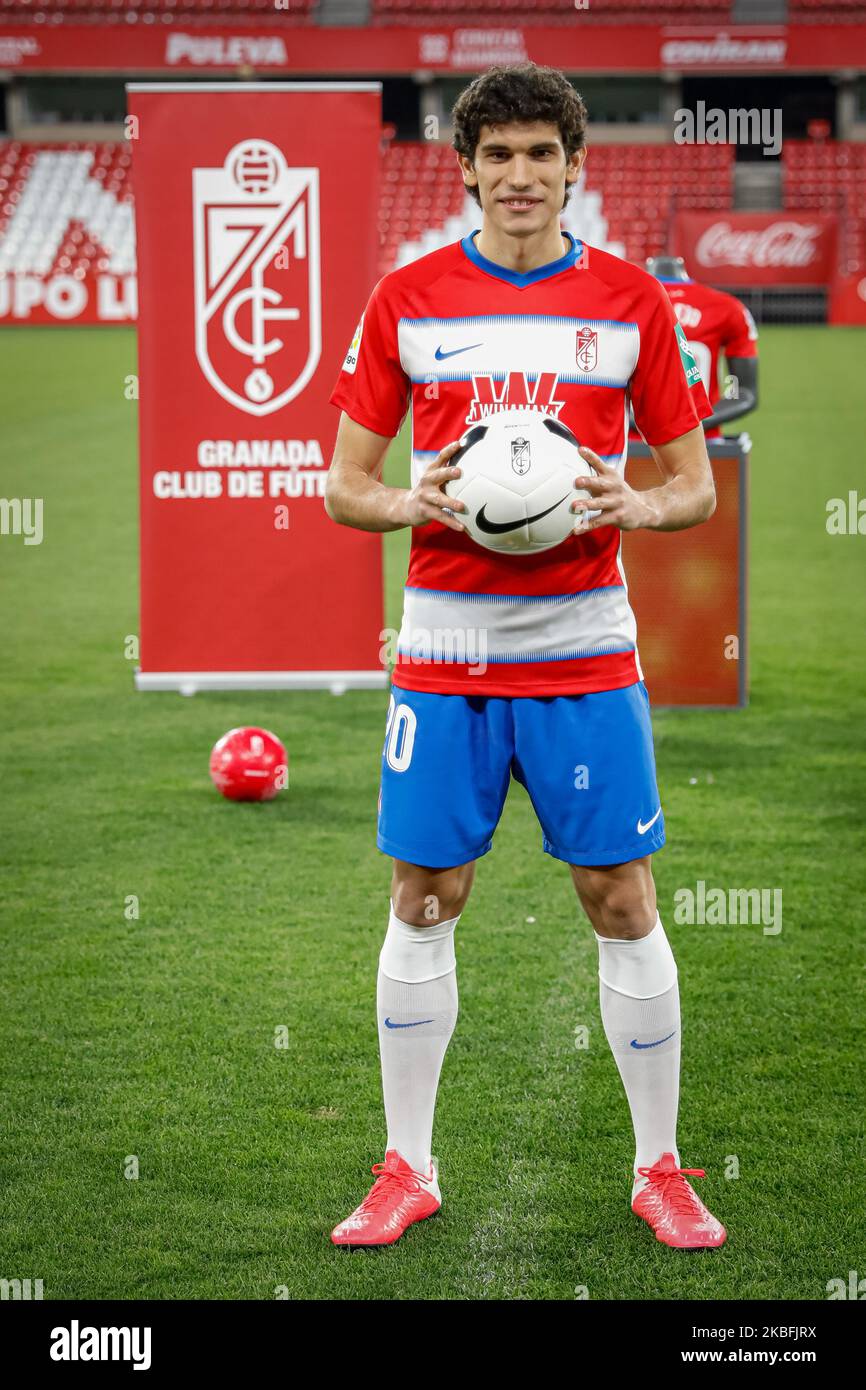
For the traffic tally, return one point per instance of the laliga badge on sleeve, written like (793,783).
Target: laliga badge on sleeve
(351,361)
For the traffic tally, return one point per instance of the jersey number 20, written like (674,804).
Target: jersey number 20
(399,735)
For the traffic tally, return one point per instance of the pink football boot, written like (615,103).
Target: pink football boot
(398,1197)
(674,1210)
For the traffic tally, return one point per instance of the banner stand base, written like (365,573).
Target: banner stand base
(193,682)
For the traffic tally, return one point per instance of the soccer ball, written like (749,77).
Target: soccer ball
(249,765)
(518,470)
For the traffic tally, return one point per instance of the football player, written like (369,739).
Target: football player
(519,314)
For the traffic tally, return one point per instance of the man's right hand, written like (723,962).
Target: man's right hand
(356,496)
(427,501)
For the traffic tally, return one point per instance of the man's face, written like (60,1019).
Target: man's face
(521,174)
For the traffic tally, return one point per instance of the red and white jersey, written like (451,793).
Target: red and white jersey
(458,337)
(714,323)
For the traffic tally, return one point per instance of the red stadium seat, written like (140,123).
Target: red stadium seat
(828,177)
(73,201)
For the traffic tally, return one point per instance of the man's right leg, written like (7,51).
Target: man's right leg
(445,772)
(416,999)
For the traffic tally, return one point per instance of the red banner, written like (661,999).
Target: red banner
(250,281)
(757,248)
(576,46)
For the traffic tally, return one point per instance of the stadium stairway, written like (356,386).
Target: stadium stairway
(758,187)
(343,13)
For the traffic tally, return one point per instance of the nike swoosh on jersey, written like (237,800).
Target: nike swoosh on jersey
(416,1024)
(498,528)
(642,829)
(440,355)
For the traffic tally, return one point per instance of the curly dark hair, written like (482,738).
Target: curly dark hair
(522,93)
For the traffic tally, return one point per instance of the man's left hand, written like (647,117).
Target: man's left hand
(618,504)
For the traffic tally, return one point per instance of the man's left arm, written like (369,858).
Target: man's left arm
(685,498)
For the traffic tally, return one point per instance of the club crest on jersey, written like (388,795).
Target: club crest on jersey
(520,456)
(518,391)
(586,351)
(258,330)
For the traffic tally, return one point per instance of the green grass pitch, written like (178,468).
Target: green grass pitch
(154,1038)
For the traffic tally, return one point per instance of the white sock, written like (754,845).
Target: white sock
(640,1003)
(416,999)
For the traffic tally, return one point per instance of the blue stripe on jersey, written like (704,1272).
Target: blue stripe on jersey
(569,378)
(522,658)
(498,320)
(530,277)
(511,598)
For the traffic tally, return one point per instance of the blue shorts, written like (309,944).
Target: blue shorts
(586,761)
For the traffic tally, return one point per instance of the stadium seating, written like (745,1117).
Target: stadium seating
(643,186)
(383,12)
(66,208)
(158,11)
(72,202)
(637,188)
(421,190)
(825,11)
(830,176)
(416,12)
(550,12)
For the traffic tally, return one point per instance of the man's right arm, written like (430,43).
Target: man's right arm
(356,496)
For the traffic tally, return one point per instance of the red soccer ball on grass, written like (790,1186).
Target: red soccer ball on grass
(249,764)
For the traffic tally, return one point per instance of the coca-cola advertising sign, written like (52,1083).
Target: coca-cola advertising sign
(757,248)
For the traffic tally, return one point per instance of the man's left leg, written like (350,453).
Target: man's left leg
(640,1003)
(640,1011)
(589,767)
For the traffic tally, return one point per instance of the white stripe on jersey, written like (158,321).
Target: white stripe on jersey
(499,344)
(448,626)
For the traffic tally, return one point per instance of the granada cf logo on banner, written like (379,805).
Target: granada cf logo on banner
(258,329)
(249,289)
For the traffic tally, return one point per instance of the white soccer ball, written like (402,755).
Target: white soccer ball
(518,469)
